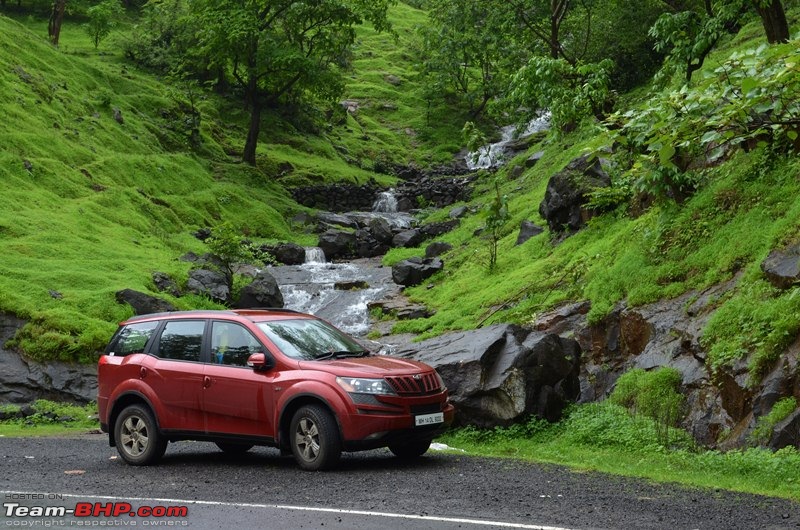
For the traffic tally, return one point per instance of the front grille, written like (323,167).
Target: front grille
(415,384)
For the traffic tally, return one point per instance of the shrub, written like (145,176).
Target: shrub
(654,394)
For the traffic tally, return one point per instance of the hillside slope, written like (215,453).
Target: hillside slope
(103,182)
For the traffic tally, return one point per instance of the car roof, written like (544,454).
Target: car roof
(254,315)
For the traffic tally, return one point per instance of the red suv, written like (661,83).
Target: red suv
(262,377)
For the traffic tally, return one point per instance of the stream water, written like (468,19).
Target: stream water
(340,292)
(494,155)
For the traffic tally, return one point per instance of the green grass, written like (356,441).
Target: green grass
(92,206)
(50,419)
(604,437)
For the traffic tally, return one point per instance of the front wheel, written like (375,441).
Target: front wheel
(138,441)
(314,438)
(410,449)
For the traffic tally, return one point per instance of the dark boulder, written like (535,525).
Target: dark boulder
(528,230)
(565,201)
(458,212)
(263,291)
(534,159)
(337,244)
(23,380)
(407,238)
(209,283)
(437,248)
(438,229)
(786,433)
(503,373)
(782,267)
(290,254)
(327,219)
(165,284)
(414,271)
(381,230)
(143,304)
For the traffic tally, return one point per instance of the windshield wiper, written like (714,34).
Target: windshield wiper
(341,354)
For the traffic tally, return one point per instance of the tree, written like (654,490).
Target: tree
(276,49)
(466,52)
(227,247)
(56,19)
(773,17)
(497,216)
(103,18)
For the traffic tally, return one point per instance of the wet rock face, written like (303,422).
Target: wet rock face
(142,303)
(23,380)
(262,292)
(414,271)
(782,267)
(564,205)
(722,407)
(503,373)
(209,283)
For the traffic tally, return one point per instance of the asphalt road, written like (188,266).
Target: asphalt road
(369,490)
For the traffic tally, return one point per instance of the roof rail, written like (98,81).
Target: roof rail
(276,309)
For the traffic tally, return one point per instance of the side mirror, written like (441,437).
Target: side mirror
(258,362)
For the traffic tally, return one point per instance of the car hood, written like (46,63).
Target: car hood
(372,366)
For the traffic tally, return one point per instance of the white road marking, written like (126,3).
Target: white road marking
(477,522)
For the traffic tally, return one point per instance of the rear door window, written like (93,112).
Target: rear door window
(133,338)
(182,340)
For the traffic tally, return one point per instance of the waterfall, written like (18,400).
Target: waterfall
(386,202)
(493,155)
(314,255)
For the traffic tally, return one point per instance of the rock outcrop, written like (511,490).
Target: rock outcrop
(503,373)
(565,201)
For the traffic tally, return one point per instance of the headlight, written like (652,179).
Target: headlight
(356,385)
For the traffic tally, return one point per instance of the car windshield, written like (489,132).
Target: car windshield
(307,339)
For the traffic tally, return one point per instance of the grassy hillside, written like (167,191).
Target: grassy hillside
(102,185)
(743,208)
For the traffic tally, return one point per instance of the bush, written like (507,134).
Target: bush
(654,394)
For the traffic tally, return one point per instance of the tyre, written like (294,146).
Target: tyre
(410,449)
(314,438)
(233,448)
(138,441)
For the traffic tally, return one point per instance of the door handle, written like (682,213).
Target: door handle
(206,382)
(142,372)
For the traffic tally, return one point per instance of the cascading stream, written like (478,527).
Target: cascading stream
(312,287)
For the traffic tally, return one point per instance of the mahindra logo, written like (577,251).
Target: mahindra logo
(417,377)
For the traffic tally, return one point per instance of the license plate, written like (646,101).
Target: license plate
(429,419)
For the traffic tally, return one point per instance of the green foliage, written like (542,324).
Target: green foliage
(571,92)
(654,394)
(742,103)
(229,250)
(103,18)
(607,438)
(52,413)
(464,53)
(766,424)
(497,217)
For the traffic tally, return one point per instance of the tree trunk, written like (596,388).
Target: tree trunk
(255,104)
(56,18)
(774,19)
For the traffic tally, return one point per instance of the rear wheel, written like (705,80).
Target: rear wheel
(314,438)
(233,448)
(410,449)
(138,441)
